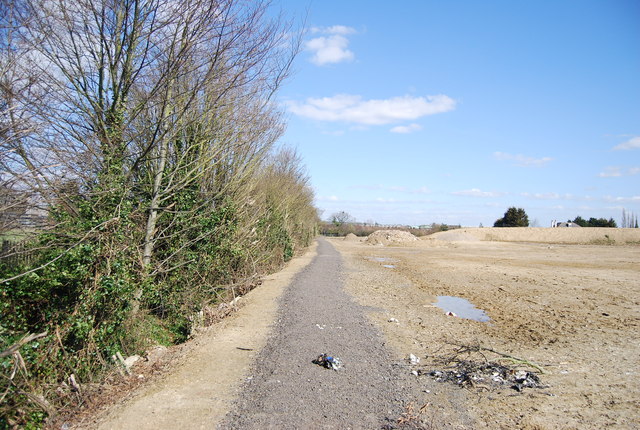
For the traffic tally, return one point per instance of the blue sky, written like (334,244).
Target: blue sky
(415,112)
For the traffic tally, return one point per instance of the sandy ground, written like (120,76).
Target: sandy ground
(573,309)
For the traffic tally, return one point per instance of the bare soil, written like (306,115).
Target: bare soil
(572,309)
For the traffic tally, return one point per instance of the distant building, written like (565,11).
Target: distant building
(567,224)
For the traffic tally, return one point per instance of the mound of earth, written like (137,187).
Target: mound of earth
(388,237)
(351,238)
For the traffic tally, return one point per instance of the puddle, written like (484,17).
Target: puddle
(462,308)
(380,259)
(389,266)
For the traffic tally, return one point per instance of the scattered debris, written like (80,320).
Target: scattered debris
(321,327)
(131,360)
(451,314)
(410,418)
(413,359)
(328,361)
(482,373)
(393,320)
(487,375)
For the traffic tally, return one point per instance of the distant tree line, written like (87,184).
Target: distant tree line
(342,223)
(513,217)
(594,222)
(629,219)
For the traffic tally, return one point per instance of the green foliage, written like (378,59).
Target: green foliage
(594,222)
(513,217)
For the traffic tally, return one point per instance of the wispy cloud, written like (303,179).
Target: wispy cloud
(393,188)
(611,172)
(405,129)
(542,196)
(633,143)
(554,196)
(354,109)
(619,199)
(616,172)
(327,198)
(475,192)
(334,29)
(522,160)
(332,48)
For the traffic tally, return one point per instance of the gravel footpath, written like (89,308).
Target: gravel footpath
(286,390)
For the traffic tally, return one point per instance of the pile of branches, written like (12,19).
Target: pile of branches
(487,374)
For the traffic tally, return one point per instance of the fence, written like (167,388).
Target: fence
(15,253)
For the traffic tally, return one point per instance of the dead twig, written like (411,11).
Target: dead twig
(478,348)
(16,346)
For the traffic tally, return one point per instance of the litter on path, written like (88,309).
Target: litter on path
(328,361)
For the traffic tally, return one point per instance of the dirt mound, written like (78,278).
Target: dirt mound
(388,237)
(351,238)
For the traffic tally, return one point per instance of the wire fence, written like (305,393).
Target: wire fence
(14,253)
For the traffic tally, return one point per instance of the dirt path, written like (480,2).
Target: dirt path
(198,390)
(286,390)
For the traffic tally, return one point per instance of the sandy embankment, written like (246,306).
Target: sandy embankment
(589,236)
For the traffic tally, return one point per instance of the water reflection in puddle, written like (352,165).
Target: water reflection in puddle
(389,266)
(462,308)
(380,259)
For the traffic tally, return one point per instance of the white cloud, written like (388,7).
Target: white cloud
(332,48)
(522,160)
(421,190)
(405,129)
(616,172)
(633,199)
(334,29)
(329,50)
(397,189)
(352,108)
(474,192)
(611,172)
(542,196)
(633,143)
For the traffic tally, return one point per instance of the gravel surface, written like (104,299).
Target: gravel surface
(286,390)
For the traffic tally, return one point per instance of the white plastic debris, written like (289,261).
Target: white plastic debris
(131,360)
(413,359)
(391,320)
